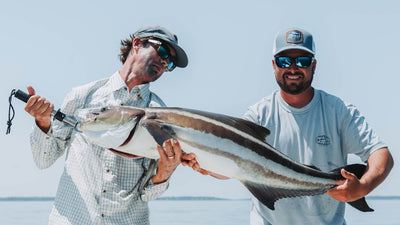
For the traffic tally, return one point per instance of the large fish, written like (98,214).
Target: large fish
(225,145)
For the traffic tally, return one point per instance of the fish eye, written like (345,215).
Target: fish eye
(103,109)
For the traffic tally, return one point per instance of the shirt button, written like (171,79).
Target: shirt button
(122,104)
(104,191)
(47,138)
(125,88)
(107,170)
(102,215)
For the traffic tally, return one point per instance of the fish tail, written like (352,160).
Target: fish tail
(358,170)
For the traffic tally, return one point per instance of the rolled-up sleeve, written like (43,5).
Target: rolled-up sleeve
(153,191)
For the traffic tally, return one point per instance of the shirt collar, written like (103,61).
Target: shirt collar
(116,84)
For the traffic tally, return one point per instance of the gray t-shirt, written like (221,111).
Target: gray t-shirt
(321,134)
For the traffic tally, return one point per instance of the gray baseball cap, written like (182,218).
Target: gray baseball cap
(165,35)
(293,38)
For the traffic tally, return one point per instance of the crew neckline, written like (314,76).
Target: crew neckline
(301,110)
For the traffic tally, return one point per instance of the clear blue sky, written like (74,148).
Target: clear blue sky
(55,46)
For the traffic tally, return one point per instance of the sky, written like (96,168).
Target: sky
(57,45)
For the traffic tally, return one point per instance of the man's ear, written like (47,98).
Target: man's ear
(136,43)
(314,66)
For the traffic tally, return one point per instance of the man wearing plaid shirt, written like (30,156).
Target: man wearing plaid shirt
(99,186)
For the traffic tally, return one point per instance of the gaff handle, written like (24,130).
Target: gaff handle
(22,96)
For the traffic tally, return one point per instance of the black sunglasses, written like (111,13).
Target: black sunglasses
(164,53)
(301,62)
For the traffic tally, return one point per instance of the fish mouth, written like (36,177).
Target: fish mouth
(124,154)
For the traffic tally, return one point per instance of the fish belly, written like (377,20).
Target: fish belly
(215,154)
(142,144)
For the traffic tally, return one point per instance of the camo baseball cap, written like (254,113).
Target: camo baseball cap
(294,38)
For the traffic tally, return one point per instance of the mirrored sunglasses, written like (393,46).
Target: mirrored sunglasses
(301,62)
(164,53)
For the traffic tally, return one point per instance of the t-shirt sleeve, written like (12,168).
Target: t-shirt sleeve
(357,135)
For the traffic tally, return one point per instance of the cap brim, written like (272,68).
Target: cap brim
(294,47)
(181,57)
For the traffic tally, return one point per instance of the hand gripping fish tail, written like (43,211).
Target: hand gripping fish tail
(358,170)
(228,146)
(58,115)
(268,195)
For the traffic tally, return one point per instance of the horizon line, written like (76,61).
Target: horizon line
(176,198)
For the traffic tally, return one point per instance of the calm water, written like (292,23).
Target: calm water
(387,212)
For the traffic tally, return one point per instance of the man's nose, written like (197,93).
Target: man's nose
(165,62)
(293,66)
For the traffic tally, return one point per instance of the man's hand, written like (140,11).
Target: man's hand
(349,190)
(169,160)
(190,160)
(40,108)
(380,163)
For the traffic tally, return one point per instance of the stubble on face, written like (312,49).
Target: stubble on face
(153,69)
(287,82)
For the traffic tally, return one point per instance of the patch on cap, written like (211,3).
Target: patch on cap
(294,36)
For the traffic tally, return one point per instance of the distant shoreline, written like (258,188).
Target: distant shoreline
(176,198)
(169,198)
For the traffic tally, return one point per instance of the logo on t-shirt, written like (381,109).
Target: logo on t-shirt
(323,140)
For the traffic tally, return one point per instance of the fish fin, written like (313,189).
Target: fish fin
(313,167)
(358,170)
(269,195)
(246,126)
(149,173)
(258,131)
(361,204)
(159,135)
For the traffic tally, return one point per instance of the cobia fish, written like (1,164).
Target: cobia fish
(224,145)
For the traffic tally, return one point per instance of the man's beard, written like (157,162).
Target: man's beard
(294,89)
(152,73)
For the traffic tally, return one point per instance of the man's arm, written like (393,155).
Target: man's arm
(190,160)
(47,144)
(379,165)
(170,158)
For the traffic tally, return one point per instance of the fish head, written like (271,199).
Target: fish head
(109,127)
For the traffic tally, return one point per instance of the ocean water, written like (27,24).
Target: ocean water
(215,212)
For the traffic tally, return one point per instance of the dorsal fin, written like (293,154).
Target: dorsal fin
(313,167)
(246,126)
(256,130)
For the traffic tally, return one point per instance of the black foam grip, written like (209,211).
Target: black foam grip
(22,96)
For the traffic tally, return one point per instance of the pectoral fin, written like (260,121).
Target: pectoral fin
(159,135)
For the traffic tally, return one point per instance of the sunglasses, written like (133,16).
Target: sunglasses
(301,62)
(164,53)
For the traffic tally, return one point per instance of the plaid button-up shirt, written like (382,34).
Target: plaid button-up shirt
(97,186)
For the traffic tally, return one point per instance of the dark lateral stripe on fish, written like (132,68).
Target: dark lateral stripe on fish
(257,167)
(173,116)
